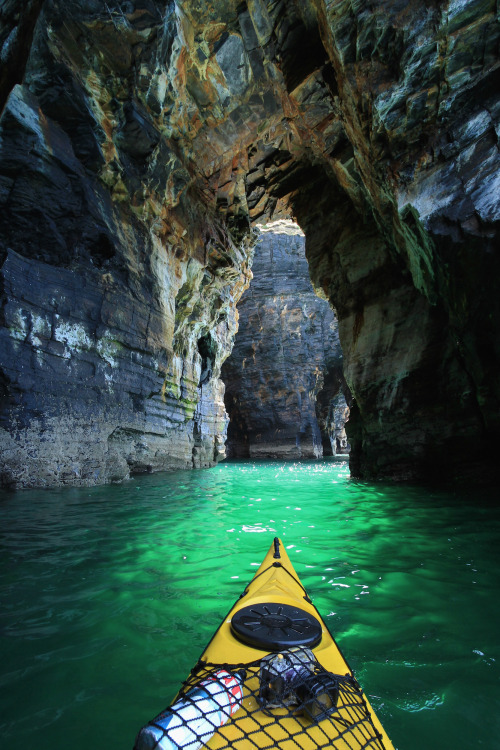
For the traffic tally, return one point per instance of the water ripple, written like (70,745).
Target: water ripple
(108,595)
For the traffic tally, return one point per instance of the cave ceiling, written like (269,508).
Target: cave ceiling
(248,103)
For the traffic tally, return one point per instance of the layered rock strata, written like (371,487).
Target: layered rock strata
(112,338)
(284,377)
(143,140)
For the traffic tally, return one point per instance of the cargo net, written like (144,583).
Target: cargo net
(286,700)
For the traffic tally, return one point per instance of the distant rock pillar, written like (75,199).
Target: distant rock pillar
(284,382)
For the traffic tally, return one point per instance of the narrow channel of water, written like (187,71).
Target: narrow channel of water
(108,595)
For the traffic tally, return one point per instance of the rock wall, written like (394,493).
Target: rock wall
(406,242)
(112,338)
(141,140)
(286,365)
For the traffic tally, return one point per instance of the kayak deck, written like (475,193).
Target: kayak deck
(353,726)
(274,620)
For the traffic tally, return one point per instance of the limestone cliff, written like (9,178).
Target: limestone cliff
(143,138)
(284,376)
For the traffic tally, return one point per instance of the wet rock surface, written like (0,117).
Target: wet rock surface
(284,381)
(140,141)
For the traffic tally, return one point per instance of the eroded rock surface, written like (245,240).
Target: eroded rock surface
(285,369)
(112,338)
(144,139)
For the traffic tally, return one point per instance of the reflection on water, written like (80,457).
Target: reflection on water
(108,596)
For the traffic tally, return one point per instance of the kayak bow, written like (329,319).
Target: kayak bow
(271,676)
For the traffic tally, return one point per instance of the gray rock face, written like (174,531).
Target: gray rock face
(286,366)
(111,342)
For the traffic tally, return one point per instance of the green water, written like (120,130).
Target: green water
(108,596)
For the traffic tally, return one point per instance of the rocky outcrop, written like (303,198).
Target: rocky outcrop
(285,369)
(140,144)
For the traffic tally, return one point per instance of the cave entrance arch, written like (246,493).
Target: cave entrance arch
(172,133)
(284,379)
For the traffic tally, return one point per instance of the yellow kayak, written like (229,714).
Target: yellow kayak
(271,677)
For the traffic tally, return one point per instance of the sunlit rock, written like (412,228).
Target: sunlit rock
(285,392)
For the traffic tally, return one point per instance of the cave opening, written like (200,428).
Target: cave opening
(285,393)
(207,349)
(102,251)
(132,174)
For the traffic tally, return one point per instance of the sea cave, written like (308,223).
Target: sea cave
(144,148)
(249,352)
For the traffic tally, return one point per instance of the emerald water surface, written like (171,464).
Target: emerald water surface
(108,595)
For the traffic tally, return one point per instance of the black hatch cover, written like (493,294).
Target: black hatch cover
(273,627)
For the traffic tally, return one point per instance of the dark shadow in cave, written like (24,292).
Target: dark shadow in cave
(207,348)
(333,404)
